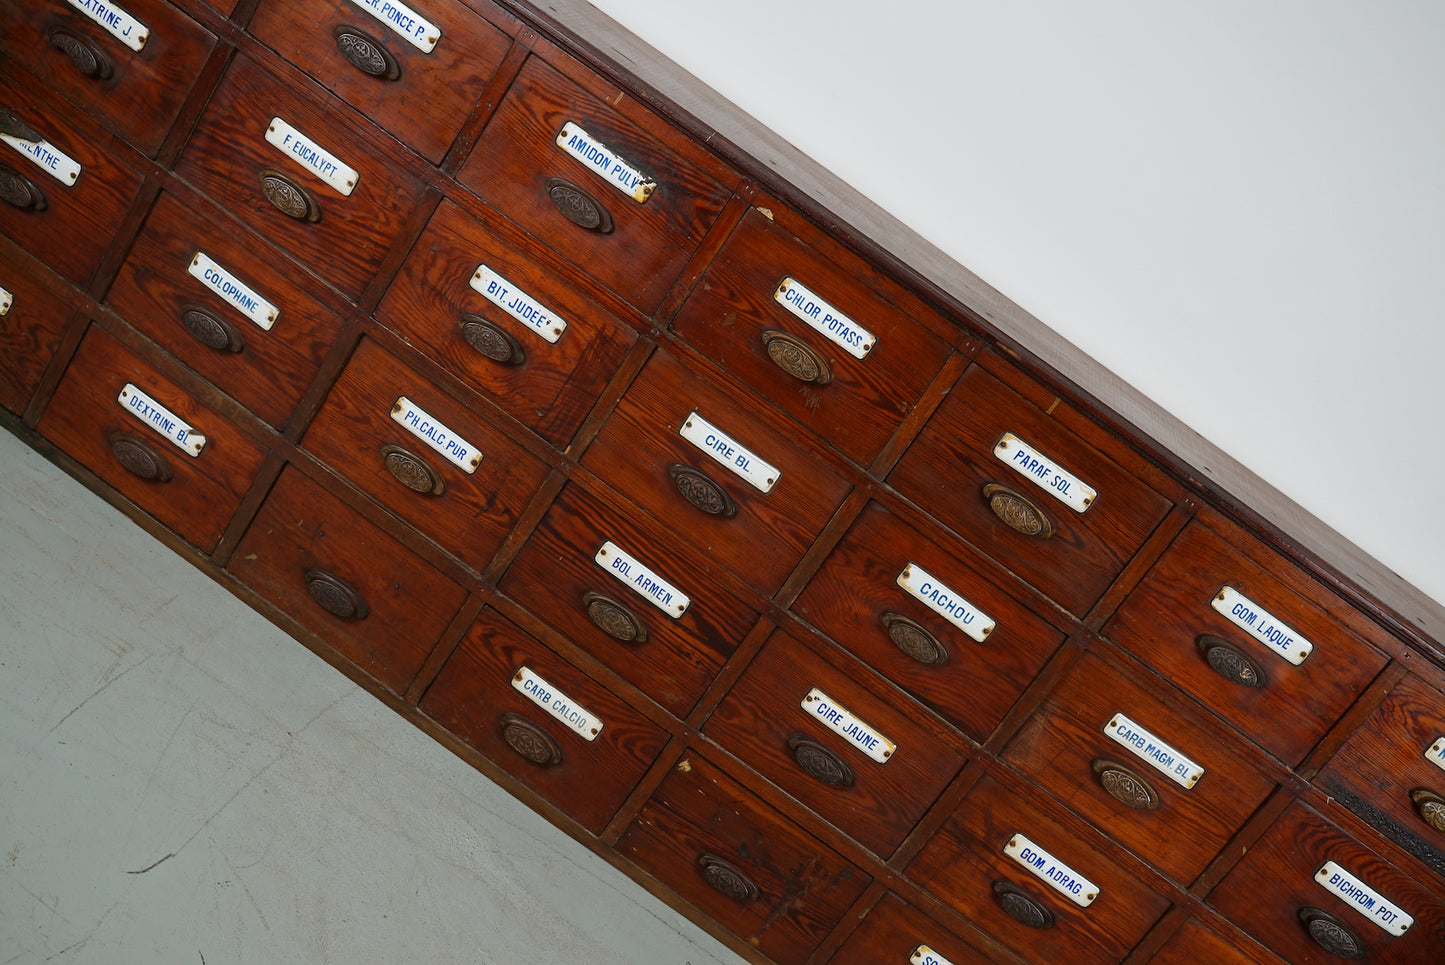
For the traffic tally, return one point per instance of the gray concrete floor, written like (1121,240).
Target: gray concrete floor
(181,782)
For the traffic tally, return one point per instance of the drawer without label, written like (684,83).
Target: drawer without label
(896,933)
(32,318)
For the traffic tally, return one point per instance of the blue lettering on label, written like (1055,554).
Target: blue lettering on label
(946,602)
(1245,614)
(1030,857)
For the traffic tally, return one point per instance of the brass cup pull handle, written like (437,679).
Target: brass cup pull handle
(86,56)
(212,330)
(914,639)
(19,191)
(288,196)
(579,207)
(726,878)
(529,741)
(796,358)
(1125,785)
(698,488)
(1021,906)
(495,343)
(335,595)
(1430,806)
(614,619)
(366,53)
(1017,512)
(820,763)
(412,471)
(139,458)
(1331,934)
(1231,663)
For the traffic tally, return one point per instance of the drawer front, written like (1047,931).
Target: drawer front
(32,318)
(378,604)
(341,237)
(601,606)
(929,648)
(1194,943)
(813,729)
(136,94)
(208,294)
(476,698)
(421,96)
(740,862)
(760,535)
(955,468)
(965,864)
(548,385)
(1276,891)
(1169,622)
(809,366)
(896,933)
(193,495)
(468,512)
(635,248)
(1115,753)
(68,223)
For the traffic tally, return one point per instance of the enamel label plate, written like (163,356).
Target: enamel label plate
(1043,472)
(1051,871)
(1256,621)
(1435,753)
(826,711)
(47,157)
(1153,751)
(121,25)
(236,292)
(450,446)
(578,719)
(923,955)
(604,162)
(404,22)
(728,452)
(162,420)
(1364,899)
(517,303)
(312,156)
(6,300)
(946,603)
(823,318)
(645,583)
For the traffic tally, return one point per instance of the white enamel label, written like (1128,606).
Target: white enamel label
(518,304)
(6,300)
(242,296)
(1154,752)
(946,603)
(1044,472)
(582,722)
(47,157)
(1435,753)
(644,582)
(824,318)
(923,955)
(450,446)
(726,451)
(604,162)
(121,25)
(162,420)
(822,708)
(1254,620)
(405,22)
(312,156)
(1364,899)
(1053,872)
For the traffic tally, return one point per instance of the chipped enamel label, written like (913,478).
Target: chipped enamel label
(579,720)
(643,581)
(404,22)
(727,451)
(1153,751)
(47,157)
(826,711)
(1435,753)
(523,307)
(450,446)
(162,420)
(1256,621)
(121,25)
(945,602)
(1044,473)
(307,154)
(604,162)
(1051,871)
(824,318)
(923,955)
(1364,899)
(236,292)
(6,300)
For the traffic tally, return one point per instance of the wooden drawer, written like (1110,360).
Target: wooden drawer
(468,512)
(1194,943)
(548,385)
(1284,874)
(722,849)
(32,318)
(761,536)
(136,94)
(377,603)
(230,159)
(861,760)
(1169,622)
(896,933)
(635,248)
(193,495)
(66,223)
(600,608)
(586,774)
(810,368)
(953,468)
(167,288)
(965,864)
(856,599)
(1128,785)
(420,86)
